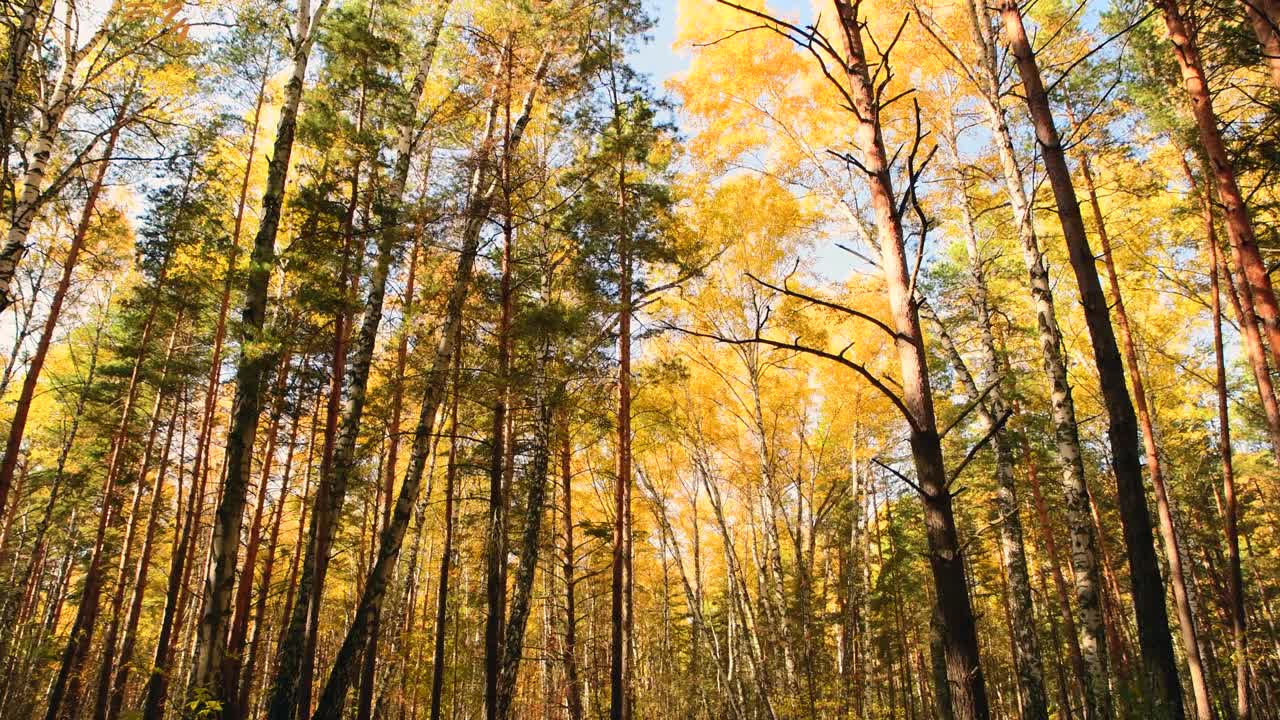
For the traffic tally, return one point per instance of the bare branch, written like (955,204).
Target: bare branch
(786,290)
(859,368)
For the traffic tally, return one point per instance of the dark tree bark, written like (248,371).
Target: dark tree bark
(129,639)
(1168,534)
(966,685)
(336,475)
(234,658)
(573,685)
(446,553)
(105,670)
(482,190)
(530,544)
(1161,669)
(252,366)
(64,696)
(495,549)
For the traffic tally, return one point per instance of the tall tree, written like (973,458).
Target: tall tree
(1161,671)
(252,366)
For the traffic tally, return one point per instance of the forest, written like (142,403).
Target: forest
(682,359)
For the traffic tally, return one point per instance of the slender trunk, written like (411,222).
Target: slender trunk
(121,683)
(252,366)
(22,38)
(38,545)
(33,194)
(1091,636)
(482,191)
(1230,509)
(446,557)
(1240,230)
(101,698)
(1025,648)
(529,546)
(234,658)
(299,546)
(247,675)
(1059,581)
(967,686)
(1186,620)
(1028,664)
(620,639)
(573,685)
(334,487)
(1246,318)
(18,426)
(495,550)
(64,694)
(1161,670)
(157,688)
(394,432)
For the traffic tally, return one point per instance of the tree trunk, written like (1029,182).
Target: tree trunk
(247,675)
(1230,509)
(959,631)
(1235,212)
(393,440)
(446,556)
(33,192)
(495,549)
(101,697)
(1161,671)
(1186,620)
(157,688)
(252,366)
(1264,18)
(21,39)
(36,563)
(1059,581)
(482,189)
(121,683)
(234,658)
(573,686)
(64,696)
(620,618)
(1026,651)
(1246,318)
(529,546)
(18,426)
(332,496)
(1091,637)
(1021,616)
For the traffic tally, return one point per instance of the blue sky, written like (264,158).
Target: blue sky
(656,58)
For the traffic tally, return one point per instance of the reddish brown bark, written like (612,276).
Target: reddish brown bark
(129,639)
(1235,212)
(1230,509)
(105,670)
(1264,18)
(1055,568)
